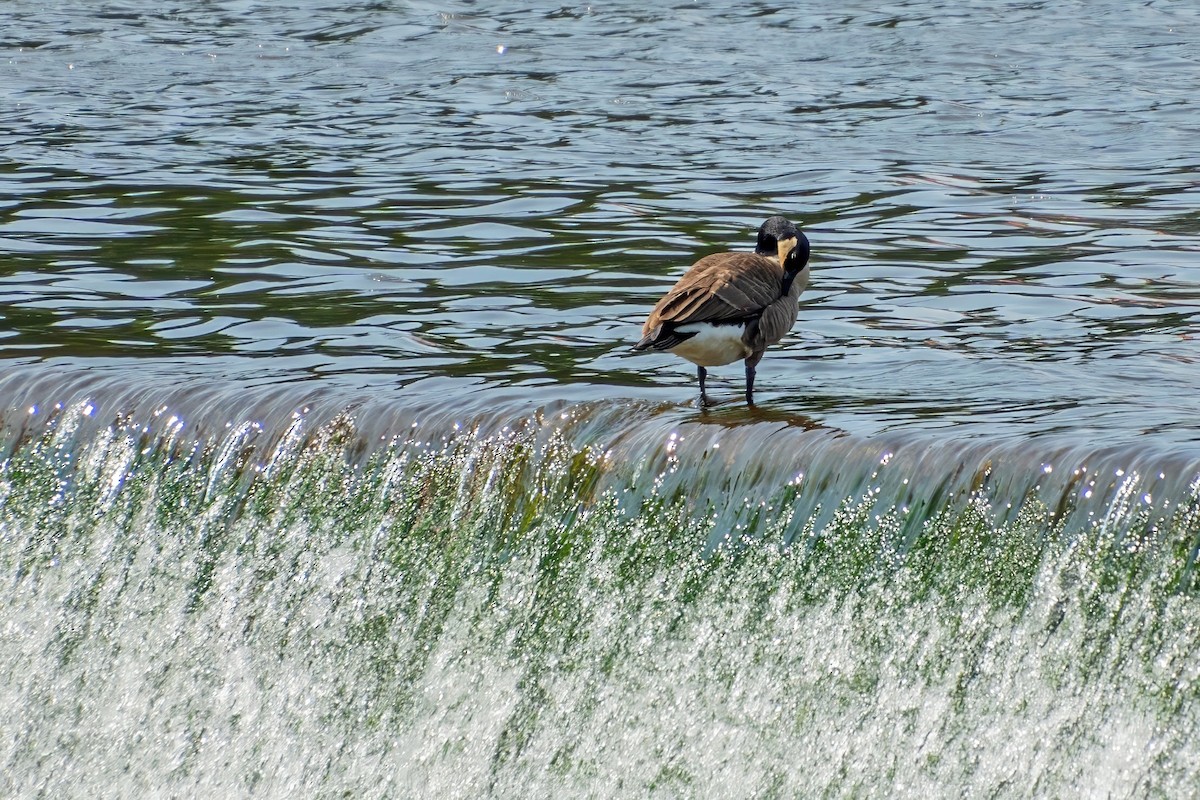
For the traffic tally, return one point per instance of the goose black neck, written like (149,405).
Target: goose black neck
(788,279)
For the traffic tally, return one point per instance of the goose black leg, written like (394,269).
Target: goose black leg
(751,363)
(702,373)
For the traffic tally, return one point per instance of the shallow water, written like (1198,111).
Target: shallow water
(262,243)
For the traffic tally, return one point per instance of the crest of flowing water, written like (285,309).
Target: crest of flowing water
(326,468)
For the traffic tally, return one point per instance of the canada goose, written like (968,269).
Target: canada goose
(733,305)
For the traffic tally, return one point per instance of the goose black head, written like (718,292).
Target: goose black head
(797,257)
(776,238)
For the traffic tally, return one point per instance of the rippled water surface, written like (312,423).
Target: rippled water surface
(314,351)
(415,198)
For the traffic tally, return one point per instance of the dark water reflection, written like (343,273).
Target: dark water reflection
(430,200)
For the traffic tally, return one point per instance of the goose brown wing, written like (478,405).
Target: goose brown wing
(721,287)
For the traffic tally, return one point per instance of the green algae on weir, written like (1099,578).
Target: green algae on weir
(543,578)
